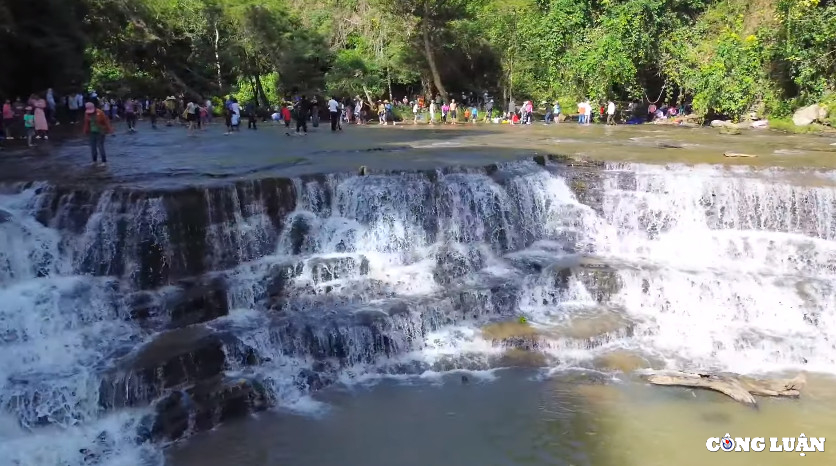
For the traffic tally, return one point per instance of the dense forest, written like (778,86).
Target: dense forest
(726,57)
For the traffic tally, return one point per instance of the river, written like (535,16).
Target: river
(261,315)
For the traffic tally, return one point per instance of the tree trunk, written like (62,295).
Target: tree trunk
(255,89)
(510,84)
(428,52)
(389,82)
(218,58)
(368,97)
(737,387)
(260,90)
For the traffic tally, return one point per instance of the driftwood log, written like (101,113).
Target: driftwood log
(739,388)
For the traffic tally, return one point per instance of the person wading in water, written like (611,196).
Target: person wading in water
(302,114)
(96,126)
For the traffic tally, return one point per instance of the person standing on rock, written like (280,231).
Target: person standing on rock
(51,107)
(610,112)
(96,126)
(453,112)
(302,114)
(334,110)
(8,119)
(41,124)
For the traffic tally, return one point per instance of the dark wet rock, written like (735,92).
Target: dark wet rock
(191,301)
(5,216)
(174,359)
(276,280)
(333,268)
(217,401)
(155,238)
(339,333)
(454,261)
(144,305)
(599,279)
(206,405)
(314,379)
(66,208)
(586,182)
(187,220)
(198,300)
(299,230)
(172,417)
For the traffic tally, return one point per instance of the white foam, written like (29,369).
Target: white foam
(725,268)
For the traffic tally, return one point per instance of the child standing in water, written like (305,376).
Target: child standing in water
(286,116)
(29,125)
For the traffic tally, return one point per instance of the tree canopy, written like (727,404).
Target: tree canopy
(726,57)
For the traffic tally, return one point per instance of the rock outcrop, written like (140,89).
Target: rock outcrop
(810,114)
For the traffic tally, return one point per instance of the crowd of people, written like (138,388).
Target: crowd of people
(32,119)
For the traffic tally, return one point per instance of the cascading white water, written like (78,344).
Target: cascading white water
(57,327)
(737,268)
(395,274)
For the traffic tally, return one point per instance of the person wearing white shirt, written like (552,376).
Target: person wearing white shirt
(610,112)
(587,112)
(334,109)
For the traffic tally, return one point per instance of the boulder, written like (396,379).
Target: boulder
(206,405)
(731,130)
(5,216)
(172,360)
(807,115)
(198,300)
(720,123)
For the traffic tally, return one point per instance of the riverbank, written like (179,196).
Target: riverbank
(169,157)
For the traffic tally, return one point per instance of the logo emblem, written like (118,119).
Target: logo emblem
(727,444)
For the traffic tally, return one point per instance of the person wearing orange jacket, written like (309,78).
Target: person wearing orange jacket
(96,126)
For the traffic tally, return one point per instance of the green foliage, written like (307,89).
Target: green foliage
(728,57)
(245,90)
(354,73)
(805,44)
(732,81)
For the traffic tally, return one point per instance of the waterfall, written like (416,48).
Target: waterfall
(134,318)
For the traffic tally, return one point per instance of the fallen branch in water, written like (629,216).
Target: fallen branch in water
(739,388)
(738,154)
